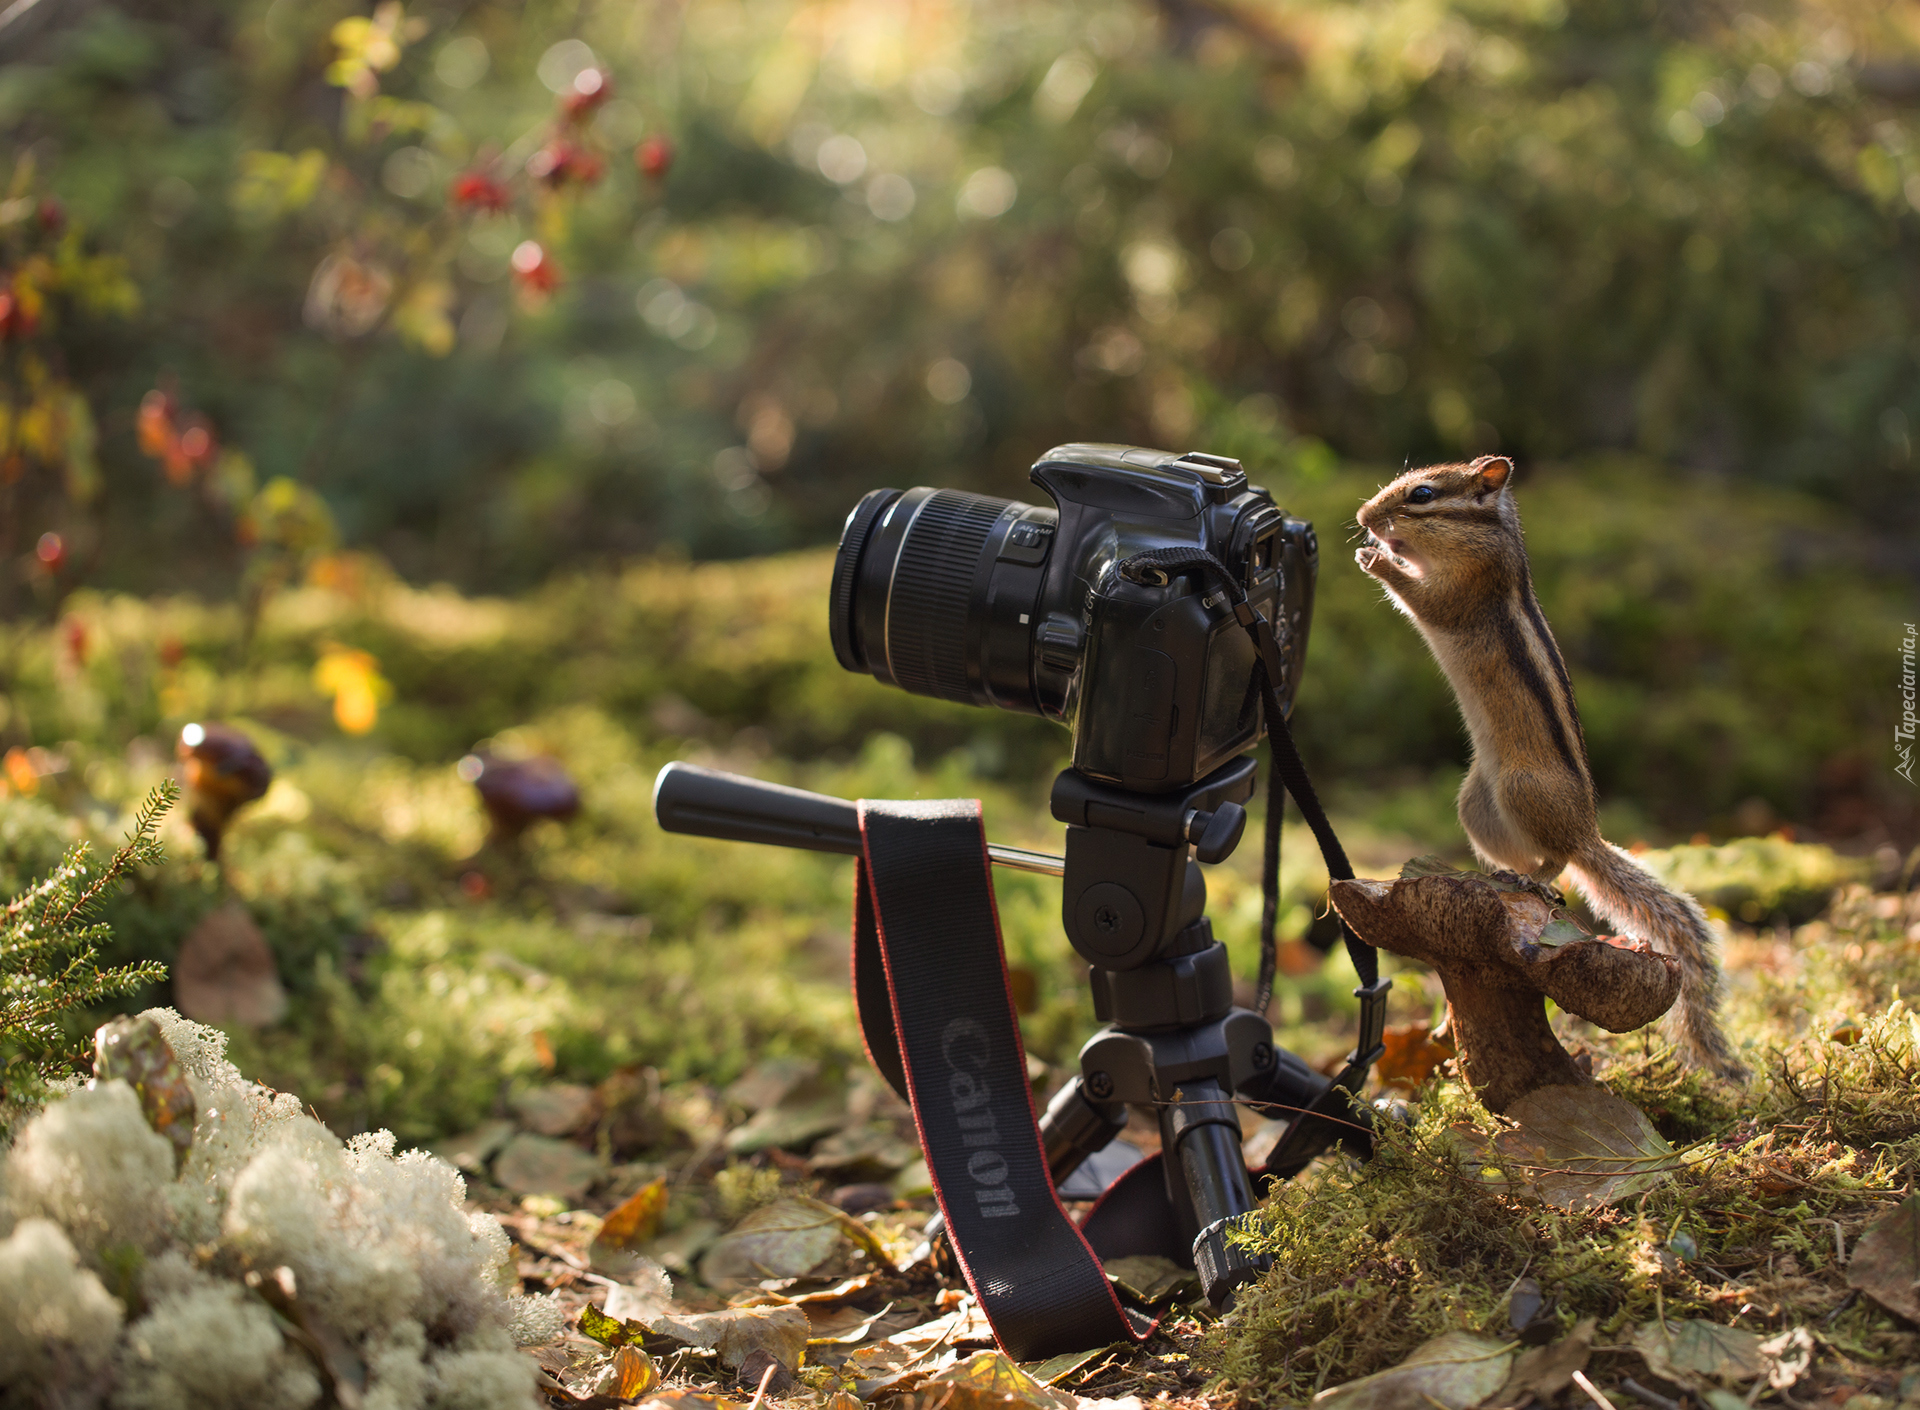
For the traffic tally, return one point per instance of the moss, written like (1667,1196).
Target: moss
(1758,880)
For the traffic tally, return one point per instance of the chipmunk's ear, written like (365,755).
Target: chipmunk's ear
(1495,471)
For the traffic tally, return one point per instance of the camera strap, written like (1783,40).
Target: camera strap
(938,1020)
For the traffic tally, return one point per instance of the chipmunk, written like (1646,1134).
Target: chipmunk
(1446,544)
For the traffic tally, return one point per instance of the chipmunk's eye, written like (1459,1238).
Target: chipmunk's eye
(1420,494)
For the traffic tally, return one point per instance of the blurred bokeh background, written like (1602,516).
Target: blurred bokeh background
(388,380)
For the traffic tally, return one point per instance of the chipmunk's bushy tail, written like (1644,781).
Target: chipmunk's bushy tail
(1625,894)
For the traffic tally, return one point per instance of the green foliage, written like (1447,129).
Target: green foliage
(50,941)
(884,250)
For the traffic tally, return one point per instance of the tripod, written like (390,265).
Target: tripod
(1134,907)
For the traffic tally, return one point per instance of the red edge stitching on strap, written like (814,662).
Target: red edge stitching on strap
(913,1093)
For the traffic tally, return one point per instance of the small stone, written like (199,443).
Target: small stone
(558,1109)
(540,1165)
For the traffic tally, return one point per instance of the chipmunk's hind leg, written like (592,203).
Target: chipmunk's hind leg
(1495,841)
(1537,809)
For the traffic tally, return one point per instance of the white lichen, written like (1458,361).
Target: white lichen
(91,1164)
(368,1250)
(535,1321)
(57,1323)
(210,1345)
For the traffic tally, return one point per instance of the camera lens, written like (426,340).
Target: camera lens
(934,592)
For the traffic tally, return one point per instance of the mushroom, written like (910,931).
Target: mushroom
(1503,946)
(519,792)
(224,772)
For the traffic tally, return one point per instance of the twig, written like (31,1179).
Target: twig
(1839,1239)
(1649,1397)
(1593,1393)
(766,1377)
(1845,1303)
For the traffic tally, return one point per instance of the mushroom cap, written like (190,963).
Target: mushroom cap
(222,765)
(519,791)
(1508,936)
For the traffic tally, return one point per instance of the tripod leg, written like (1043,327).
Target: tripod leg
(1075,1126)
(1203,1131)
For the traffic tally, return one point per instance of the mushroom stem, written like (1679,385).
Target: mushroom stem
(1506,1045)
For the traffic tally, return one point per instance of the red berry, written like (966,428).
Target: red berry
(53,216)
(654,157)
(473,190)
(590,89)
(561,161)
(534,268)
(51,551)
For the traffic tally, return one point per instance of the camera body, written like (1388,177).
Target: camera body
(994,602)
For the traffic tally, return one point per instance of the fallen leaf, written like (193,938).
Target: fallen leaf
(763,1370)
(767,1083)
(540,1165)
(556,1109)
(635,1220)
(873,1150)
(841,1400)
(843,1326)
(989,1380)
(1149,1278)
(788,1127)
(1696,1353)
(689,1400)
(1411,1054)
(133,1050)
(1886,1261)
(782,1332)
(629,1375)
(1582,1147)
(1455,1370)
(608,1331)
(879,1365)
(1542,1372)
(1058,1368)
(225,972)
(678,1250)
(966,1323)
(472,1151)
(786,1239)
(839,1292)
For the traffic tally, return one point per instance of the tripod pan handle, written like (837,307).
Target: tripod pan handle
(710,803)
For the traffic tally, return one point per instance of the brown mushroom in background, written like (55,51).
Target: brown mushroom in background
(519,792)
(224,772)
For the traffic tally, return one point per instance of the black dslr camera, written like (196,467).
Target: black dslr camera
(994,602)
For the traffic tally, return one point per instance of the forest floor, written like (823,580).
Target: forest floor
(1737,1274)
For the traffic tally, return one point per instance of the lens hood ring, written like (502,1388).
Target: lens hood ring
(846,576)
